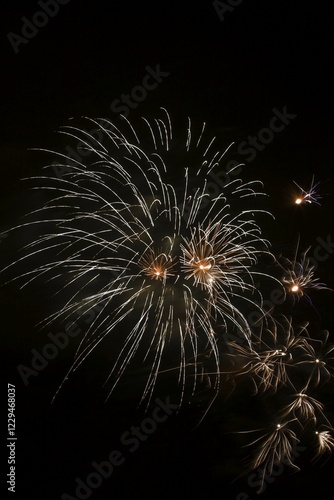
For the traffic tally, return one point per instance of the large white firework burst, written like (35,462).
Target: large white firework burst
(134,231)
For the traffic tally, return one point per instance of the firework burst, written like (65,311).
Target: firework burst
(275,447)
(308,196)
(135,232)
(271,355)
(299,277)
(304,407)
(280,357)
(325,442)
(317,360)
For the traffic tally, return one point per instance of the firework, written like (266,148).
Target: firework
(131,229)
(280,355)
(299,277)
(325,442)
(317,360)
(304,407)
(274,447)
(134,231)
(308,196)
(272,354)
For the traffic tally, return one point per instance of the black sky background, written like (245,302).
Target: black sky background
(230,74)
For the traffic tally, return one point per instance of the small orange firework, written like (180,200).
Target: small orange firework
(299,276)
(309,196)
(157,266)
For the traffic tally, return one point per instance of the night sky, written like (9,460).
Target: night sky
(234,65)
